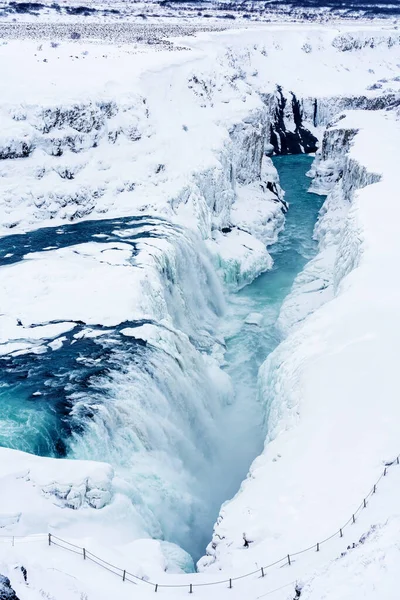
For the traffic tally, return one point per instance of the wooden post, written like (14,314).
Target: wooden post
(384,472)
(84,553)
(288,559)
(354,519)
(341,533)
(318,547)
(191,589)
(156,588)
(262,571)
(397,460)
(374,489)
(49,539)
(230,584)
(365,503)
(124,575)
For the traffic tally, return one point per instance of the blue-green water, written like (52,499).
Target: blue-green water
(248,345)
(295,245)
(39,392)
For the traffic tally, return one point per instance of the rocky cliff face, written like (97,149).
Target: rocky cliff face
(288,132)
(295,122)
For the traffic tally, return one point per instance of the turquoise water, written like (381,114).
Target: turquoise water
(295,246)
(248,345)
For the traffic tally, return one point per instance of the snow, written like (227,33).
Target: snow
(111,131)
(156,337)
(254,319)
(264,220)
(35,488)
(63,296)
(26,337)
(239,256)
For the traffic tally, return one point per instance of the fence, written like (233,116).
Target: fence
(261,572)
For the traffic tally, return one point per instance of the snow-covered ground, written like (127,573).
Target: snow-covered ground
(93,132)
(362,563)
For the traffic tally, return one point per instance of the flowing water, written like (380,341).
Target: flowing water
(179,433)
(250,329)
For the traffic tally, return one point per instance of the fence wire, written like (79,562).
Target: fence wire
(262,571)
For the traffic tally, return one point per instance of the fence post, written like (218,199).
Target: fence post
(354,519)
(341,533)
(123,576)
(288,559)
(49,539)
(374,489)
(365,503)
(84,553)
(191,589)
(230,584)
(397,460)
(156,588)
(318,547)
(384,472)
(262,571)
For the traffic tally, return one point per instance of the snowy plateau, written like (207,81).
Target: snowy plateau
(142,199)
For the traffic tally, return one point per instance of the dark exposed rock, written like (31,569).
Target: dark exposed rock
(297,591)
(271,186)
(348,42)
(16,150)
(81,117)
(285,141)
(6,591)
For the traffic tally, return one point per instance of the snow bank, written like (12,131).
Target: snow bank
(67,484)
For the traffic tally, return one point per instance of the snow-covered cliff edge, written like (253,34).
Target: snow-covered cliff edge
(329,388)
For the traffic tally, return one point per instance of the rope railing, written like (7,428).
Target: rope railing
(125,575)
